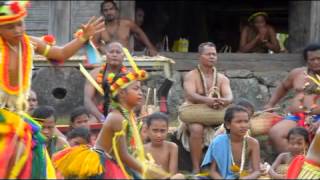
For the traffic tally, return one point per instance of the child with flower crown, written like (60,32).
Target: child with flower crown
(118,152)
(22,146)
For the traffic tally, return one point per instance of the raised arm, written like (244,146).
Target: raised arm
(93,26)
(281,90)
(143,38)
(90,95)
(97,41)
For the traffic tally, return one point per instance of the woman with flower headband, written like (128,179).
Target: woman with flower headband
(118,152)
(114,65)
(22,146)
(258,36)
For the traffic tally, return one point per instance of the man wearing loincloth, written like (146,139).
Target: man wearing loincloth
(198,84)
(304,109)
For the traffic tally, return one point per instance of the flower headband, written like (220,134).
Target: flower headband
(125,81)
(13,11)
(254,15)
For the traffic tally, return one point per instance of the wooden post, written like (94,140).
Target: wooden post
(59,20)
(314,36)
(299,24)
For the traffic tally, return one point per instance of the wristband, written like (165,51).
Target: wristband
(46,51)
(82,39)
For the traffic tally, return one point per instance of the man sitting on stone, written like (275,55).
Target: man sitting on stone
(93,101)
(198,84)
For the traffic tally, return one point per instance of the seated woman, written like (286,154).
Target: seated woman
(258,36)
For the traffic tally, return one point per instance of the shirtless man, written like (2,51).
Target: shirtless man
(117,29)
(302,105)
(164,153)
(114,59)
(196,94)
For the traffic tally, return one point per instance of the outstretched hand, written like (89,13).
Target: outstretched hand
(93,26)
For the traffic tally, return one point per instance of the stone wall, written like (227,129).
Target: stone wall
(252,76)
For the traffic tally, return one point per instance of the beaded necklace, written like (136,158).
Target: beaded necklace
(25,63)
(110,75)
(234,167)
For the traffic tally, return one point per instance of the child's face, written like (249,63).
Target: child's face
(77,141)
(157,131)
(48,126)
(133,94)
(239,125)
(81,121)
(13,31)
(297,144)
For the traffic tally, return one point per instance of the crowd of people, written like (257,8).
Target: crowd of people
(31,146)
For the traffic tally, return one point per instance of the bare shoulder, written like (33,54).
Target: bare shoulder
(270,27)
(114,120)
(94,72)
(127,22)
(222,76)
(297,71)
(147,146)
(171,145)
(252,142)
(191,74)
(246,29)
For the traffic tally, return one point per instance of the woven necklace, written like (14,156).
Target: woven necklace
(25,62)
(214,81)
(235,168)
(110,76)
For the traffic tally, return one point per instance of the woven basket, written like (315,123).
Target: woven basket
(261,123)
(201,113)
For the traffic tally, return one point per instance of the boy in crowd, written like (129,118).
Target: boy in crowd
(46,115)
(164,153)
(79,117)
(78,136)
